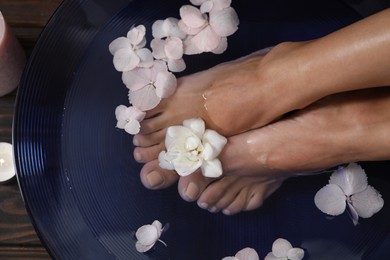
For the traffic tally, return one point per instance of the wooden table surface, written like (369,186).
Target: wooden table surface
(18,239)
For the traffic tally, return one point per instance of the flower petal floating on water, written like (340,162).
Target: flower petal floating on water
(348,186)
(244,254)
(282,249)
(148,235)
(190,147)
(129,118)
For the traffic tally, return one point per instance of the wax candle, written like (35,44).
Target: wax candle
(7,168)
(12,59)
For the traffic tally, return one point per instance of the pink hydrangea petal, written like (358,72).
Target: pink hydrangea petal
(184,166)
(230,258)
(176,65)
(189,47)
(159,66)
(216,141)
(136,114)
(125,60)
(224,22)
(147,234)
(146,58)
(247,254)
(136,34)
(145,98)
(165,84)
(188,30)
(192,16)
(172,28)
(351,179)
(174,48)
(119,43)
(134,79)
(158,30)
(221,48)
(157,46)
(195,125)
(143,248)
(280,247)
(212,168)
(197,2)
(132,127)
(354,214)
(157,224)
(206,7)
(221,4)
(270,256)
(207,40)
(295,254)
(330,200)
(367,202)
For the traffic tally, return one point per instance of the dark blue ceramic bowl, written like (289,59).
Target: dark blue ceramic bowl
(76,172)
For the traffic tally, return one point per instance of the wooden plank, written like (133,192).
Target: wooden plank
(23,253)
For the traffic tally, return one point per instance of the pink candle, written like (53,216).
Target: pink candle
(12,59)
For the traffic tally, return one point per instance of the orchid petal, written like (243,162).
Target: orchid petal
(224,22)
(165,161)
(270,256)
(134,79)
(221,48)
(295,254)
(216,140)
(119,43)
(206,40)
(197,2)
(145,98)
(125,60)
(247,254)
(330,200)
(174,48)
(184,166)
(147,234)
(211,168)
(206,7)
(143,248)
(146,58)
(351,179)
(189,30)
(157,46)
(165,84)
(196,125)
(192,16)
(354,214)
(367,202)
(280,247)
(176,65)
(136,34)
(221,4)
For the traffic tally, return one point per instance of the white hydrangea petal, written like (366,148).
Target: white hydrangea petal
(146,58)
(224,22)
(280,247)
(120,112)
(134,79)
(192,16)
(147,234)
(197,2)
(132,127)
(330,200)
(184,166)
(367,202)
(119,43)
(158,30)
(145,98)
(137,34)
(176,65)
(221,4)
(216,140)
(295,253)
(351,179)
(158,225)
(270,256)
(230,258)
(222,47)
(212,168)
(247,254)
(174,48)
(206,7)
(189,47)
(189,30)
(143,248)
(196,125)
(206,40)
(165,161)
(165,84)
(125,60)
(157,46)
(354,214)
(136,114)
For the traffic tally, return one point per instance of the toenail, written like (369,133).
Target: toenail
(213,209)
(226,212)
(155,179)
(192,191)
(203,205)
(137,156)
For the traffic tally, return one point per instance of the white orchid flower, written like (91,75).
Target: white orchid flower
(168,44)
(147,86)
(244,254)
(207,28)
(282,249)
(190,147)
(148,235)
(129,118)
(129,52)
(348,186)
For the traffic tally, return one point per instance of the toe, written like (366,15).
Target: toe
(153,177)
(238,203)
(191,187)
(147,154)
(149,140)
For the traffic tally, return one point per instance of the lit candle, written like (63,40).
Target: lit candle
(7,168)
(12,59)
